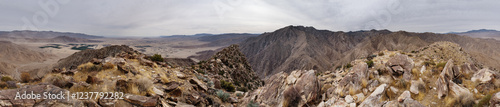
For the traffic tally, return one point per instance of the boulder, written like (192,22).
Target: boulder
(374,99)
(180,75)
(400,63)
(348,99)
(405,95)
(483,76)
(198,83)
(442,85)
(448,70)
(361,69)
(417,86)
(125,68)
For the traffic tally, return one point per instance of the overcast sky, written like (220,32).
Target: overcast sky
(171,17)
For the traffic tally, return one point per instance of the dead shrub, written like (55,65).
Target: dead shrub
(57,80)
(108,65)
(25,77)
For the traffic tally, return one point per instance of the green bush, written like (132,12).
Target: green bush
(369,63)
(243,89)
(228,86)
(223,95)
(348,65)
(157,58)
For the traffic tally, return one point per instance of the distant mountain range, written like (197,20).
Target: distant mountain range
(298,47)
(481,33)
(46,36)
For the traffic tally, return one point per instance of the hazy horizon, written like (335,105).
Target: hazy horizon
(188,17)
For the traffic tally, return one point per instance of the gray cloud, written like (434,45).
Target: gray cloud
(153,18)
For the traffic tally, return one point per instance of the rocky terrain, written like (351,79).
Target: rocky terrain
(220,81)
(388,79)
(298,47)
(14,57)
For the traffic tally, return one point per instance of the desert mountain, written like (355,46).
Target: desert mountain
(46,36)
(298,47)
(481,33)
(85,56)
(14,57)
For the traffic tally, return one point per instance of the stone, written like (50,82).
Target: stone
(417,86)
(391,104)
(233,100)
(495,100)
(158,91)
(442,85)
(352,105)
(171,86)
(400,64)
(448,70)
(483,76)
(140,100)
(127,68)
(198,83)
(404,95)
(372,84)
(359,97)
(361,69)
(411,103)
(180,75)
(374,99)
(348,99)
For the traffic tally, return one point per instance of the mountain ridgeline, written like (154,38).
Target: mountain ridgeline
(299,47)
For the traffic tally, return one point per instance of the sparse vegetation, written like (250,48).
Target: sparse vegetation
(253,104)
(3,85)
(7,78)
(484,101)
(89,67)
(348,65)
(222,95)
(381,54)
(157,58)
(370,63)
(108,65)
(25,77)
(428,63)
(228,86)
(57,80)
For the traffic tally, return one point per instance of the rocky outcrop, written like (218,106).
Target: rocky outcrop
(85,56)
(401,65)
(300,87)
(374,99)
(232,66)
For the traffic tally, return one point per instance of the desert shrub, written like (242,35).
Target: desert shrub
(253,104)
(108,65)
(228,86)
(441,64)
(7,78)
(369,63)
(291,97)
(3,84)
(381,54)
(428,63)
(25,77)
(89,67)
(210,83)
(244,89)
(57,80)
(157,58)
(348,65)
(484,101)
(143,84)
(200,71)
(223,95)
